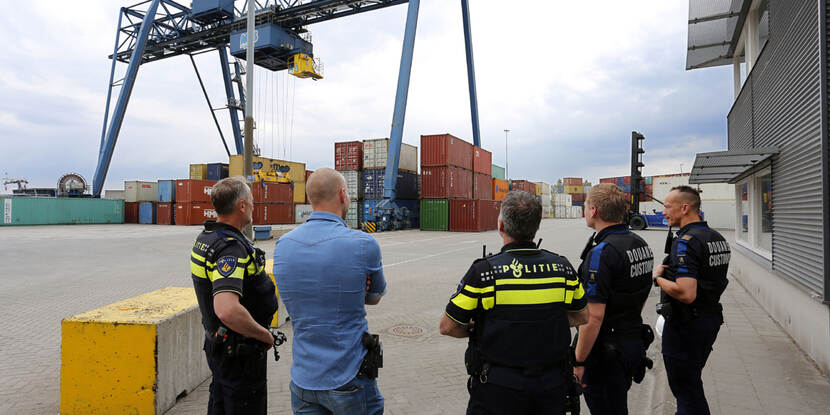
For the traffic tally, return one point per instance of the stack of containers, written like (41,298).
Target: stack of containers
(375,154)
(193,205)
(274,202)
(523,185)
(624,183)
(136,193)
(500,185)
(573,186)
(348,160)
(216,171)
(562,203)
(544,195)
(296,172)
(166,198)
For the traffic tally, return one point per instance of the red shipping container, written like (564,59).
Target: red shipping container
(474,215)
(578,197)
(272,192)
(446,150)
(273,213)
(446,183)
(482,186)
(192,190)
(482,161)
(612,180)
(348,155)
(572,181)
(130,212)
(193,213)
(524,185)
(626,179)
(164,214)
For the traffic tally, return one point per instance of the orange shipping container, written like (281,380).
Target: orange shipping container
(164,214)
(500,189)
(572,181)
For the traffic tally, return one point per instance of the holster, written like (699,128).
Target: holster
(374,356)
(473,360)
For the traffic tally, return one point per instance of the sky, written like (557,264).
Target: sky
(570,80)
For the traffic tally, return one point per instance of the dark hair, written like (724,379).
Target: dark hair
(689,195)
(226,193)
(521,215)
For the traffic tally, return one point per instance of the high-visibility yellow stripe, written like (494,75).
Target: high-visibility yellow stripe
(522,297)
(453,319)
(237,273)
(197,256)
(550,280)
(466,303)
(573,282)
(479,290)
(197,270)
(569,296)
(243,260)
(579,293)
(521,249)
(488,302)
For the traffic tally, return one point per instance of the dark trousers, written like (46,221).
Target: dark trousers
(492,399)
(238,385)
(686,347)
(608,372)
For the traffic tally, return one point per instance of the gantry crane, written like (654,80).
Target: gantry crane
(161,29)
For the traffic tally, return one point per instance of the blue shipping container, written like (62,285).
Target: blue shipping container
(578,204)
(167,191)
(147,212)
(620,181)
(413,206)
(626,188)
(217,171)
(211,10)
(406,188)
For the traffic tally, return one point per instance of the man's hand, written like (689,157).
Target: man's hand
(578,372)
(368,282)
(234,316)
(658,272)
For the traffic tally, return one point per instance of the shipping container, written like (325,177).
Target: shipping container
(547,189)
(136,191)
(445,150)
(59,211)
(579,203)
(435,214)
(190,190)
(164,213)
(147,212)
(577,197)
(612,180)
(130,212)
(114,194)
(412,205)
(406,187)
(354,183)
(167,191)
(273,213)
(446,183)
(626,188)
(301,213)
(473,215)
(482,186)
(217,171)
(498,172)
(198,171)
(573,189)
(547,212)
(500,188)
(272,192)
(523,185)
(296,171)
(193,213)
(482,161)
(355,214)
(626,179)
(348,155)
(572,181)
(649,180)
(376,151)
(562,199)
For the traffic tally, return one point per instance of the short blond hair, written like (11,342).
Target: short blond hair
(609,200)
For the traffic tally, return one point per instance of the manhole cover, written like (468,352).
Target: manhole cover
(405,330)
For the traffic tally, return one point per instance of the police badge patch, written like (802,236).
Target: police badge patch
(226,265)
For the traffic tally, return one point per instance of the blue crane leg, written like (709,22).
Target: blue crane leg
(396,136)
(112,76)
(234,113)
(105,156)
(471,71)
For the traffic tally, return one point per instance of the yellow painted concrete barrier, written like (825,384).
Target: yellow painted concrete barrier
(281,316)
(133,357)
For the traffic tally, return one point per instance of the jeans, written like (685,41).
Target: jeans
(357,397)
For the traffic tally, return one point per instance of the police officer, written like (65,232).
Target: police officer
(616,270)
(692,283)
(519,304)
(237,301)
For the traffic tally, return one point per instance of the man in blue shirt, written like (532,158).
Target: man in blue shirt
(325,274)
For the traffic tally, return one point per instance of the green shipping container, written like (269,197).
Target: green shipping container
(435,214)
(59,211)
(498,172)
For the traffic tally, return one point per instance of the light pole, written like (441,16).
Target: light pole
(506,177)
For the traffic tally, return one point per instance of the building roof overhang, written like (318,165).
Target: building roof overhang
(714,30)
(730,166)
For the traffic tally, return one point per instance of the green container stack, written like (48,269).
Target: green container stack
(59,211)
(435,214)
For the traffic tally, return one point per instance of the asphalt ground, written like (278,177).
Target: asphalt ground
(53,272)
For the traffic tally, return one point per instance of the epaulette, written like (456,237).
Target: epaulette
(686,237)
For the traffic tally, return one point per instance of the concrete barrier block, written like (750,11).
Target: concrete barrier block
(133,357)
(281,316)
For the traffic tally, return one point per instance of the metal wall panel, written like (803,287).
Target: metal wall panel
(780,105)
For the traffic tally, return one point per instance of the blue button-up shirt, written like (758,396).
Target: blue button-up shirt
(321,269)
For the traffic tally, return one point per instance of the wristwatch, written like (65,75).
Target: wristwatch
(654,279)
(578,364)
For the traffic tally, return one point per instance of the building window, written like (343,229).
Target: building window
(754,213)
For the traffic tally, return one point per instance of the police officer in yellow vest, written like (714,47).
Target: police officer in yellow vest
(237,301)
(517,307)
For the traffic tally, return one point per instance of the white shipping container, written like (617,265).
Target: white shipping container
(301,213)
(562,199)
(546,189)
(375,152)
(136,191)
(354,183)
(353,217)
(119,194)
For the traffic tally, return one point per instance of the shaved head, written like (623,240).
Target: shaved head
(687,195)
(324,186)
